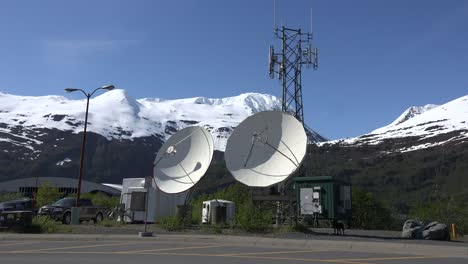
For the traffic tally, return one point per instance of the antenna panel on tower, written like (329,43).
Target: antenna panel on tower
(272,58)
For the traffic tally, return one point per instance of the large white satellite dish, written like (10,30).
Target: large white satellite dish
(183,159)
(266,148)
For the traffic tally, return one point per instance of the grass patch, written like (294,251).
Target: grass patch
(40,224)
(109,223)
(214,229)
(171,223)
(301,228)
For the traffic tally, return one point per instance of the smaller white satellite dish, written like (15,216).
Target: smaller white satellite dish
(266,148)
(183,159)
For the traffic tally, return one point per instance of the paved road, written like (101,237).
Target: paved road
(203,251)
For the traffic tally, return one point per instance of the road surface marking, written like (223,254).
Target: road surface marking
(392,258)
(167,249)
(193,254)
(250,255)
(273,252)
(20,243)
(85,246)
(257,257)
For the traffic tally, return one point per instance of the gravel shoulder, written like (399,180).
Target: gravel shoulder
(321,234)
(314,234)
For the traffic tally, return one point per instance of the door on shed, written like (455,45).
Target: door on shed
(306,196)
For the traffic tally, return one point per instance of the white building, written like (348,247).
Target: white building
(209,207)
(160,204)
(28,186)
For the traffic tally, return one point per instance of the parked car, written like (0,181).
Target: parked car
(25,204)
(20,207)
(61,210)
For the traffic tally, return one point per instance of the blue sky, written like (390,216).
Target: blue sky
(376,57)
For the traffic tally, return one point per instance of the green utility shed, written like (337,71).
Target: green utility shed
(323,197)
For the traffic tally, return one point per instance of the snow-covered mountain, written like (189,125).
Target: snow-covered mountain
(423,125)
(412,112)
(117,116)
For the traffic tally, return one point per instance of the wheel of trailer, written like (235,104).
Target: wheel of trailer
(98,218)
(66,218)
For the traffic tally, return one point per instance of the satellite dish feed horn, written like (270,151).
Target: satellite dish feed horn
(266,148)
(183,159)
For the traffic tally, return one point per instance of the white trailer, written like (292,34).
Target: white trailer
(160,204)
(208,206)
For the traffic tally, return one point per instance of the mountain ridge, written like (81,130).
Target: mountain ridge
(117,115)
(412,112)
(422,124)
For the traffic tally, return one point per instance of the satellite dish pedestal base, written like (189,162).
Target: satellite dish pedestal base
(145,234)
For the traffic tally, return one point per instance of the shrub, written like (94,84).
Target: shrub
(448,211)
(109,223)
(301,228)
(197,205)
(213,229)
(171,223)
(42,224)
(101,199)
(47,195)
(10,196)
(257,219)
(370,213)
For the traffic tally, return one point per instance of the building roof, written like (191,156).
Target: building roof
(219,201)
(112,185)
(57,182)
(315,178)
(300,180)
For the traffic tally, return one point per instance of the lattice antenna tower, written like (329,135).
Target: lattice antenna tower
(286,65)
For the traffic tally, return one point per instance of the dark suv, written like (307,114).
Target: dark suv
(25,204)
(61,210)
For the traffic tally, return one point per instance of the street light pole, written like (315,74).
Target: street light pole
(83,143)
(83,146)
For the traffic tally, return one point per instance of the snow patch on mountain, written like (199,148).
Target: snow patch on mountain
(62,162)
(116,115)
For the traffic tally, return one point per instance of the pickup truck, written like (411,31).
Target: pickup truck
(61,210)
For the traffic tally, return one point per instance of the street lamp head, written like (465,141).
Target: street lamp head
(108,87)
(69,90)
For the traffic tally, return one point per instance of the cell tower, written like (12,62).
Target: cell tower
(287,65)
